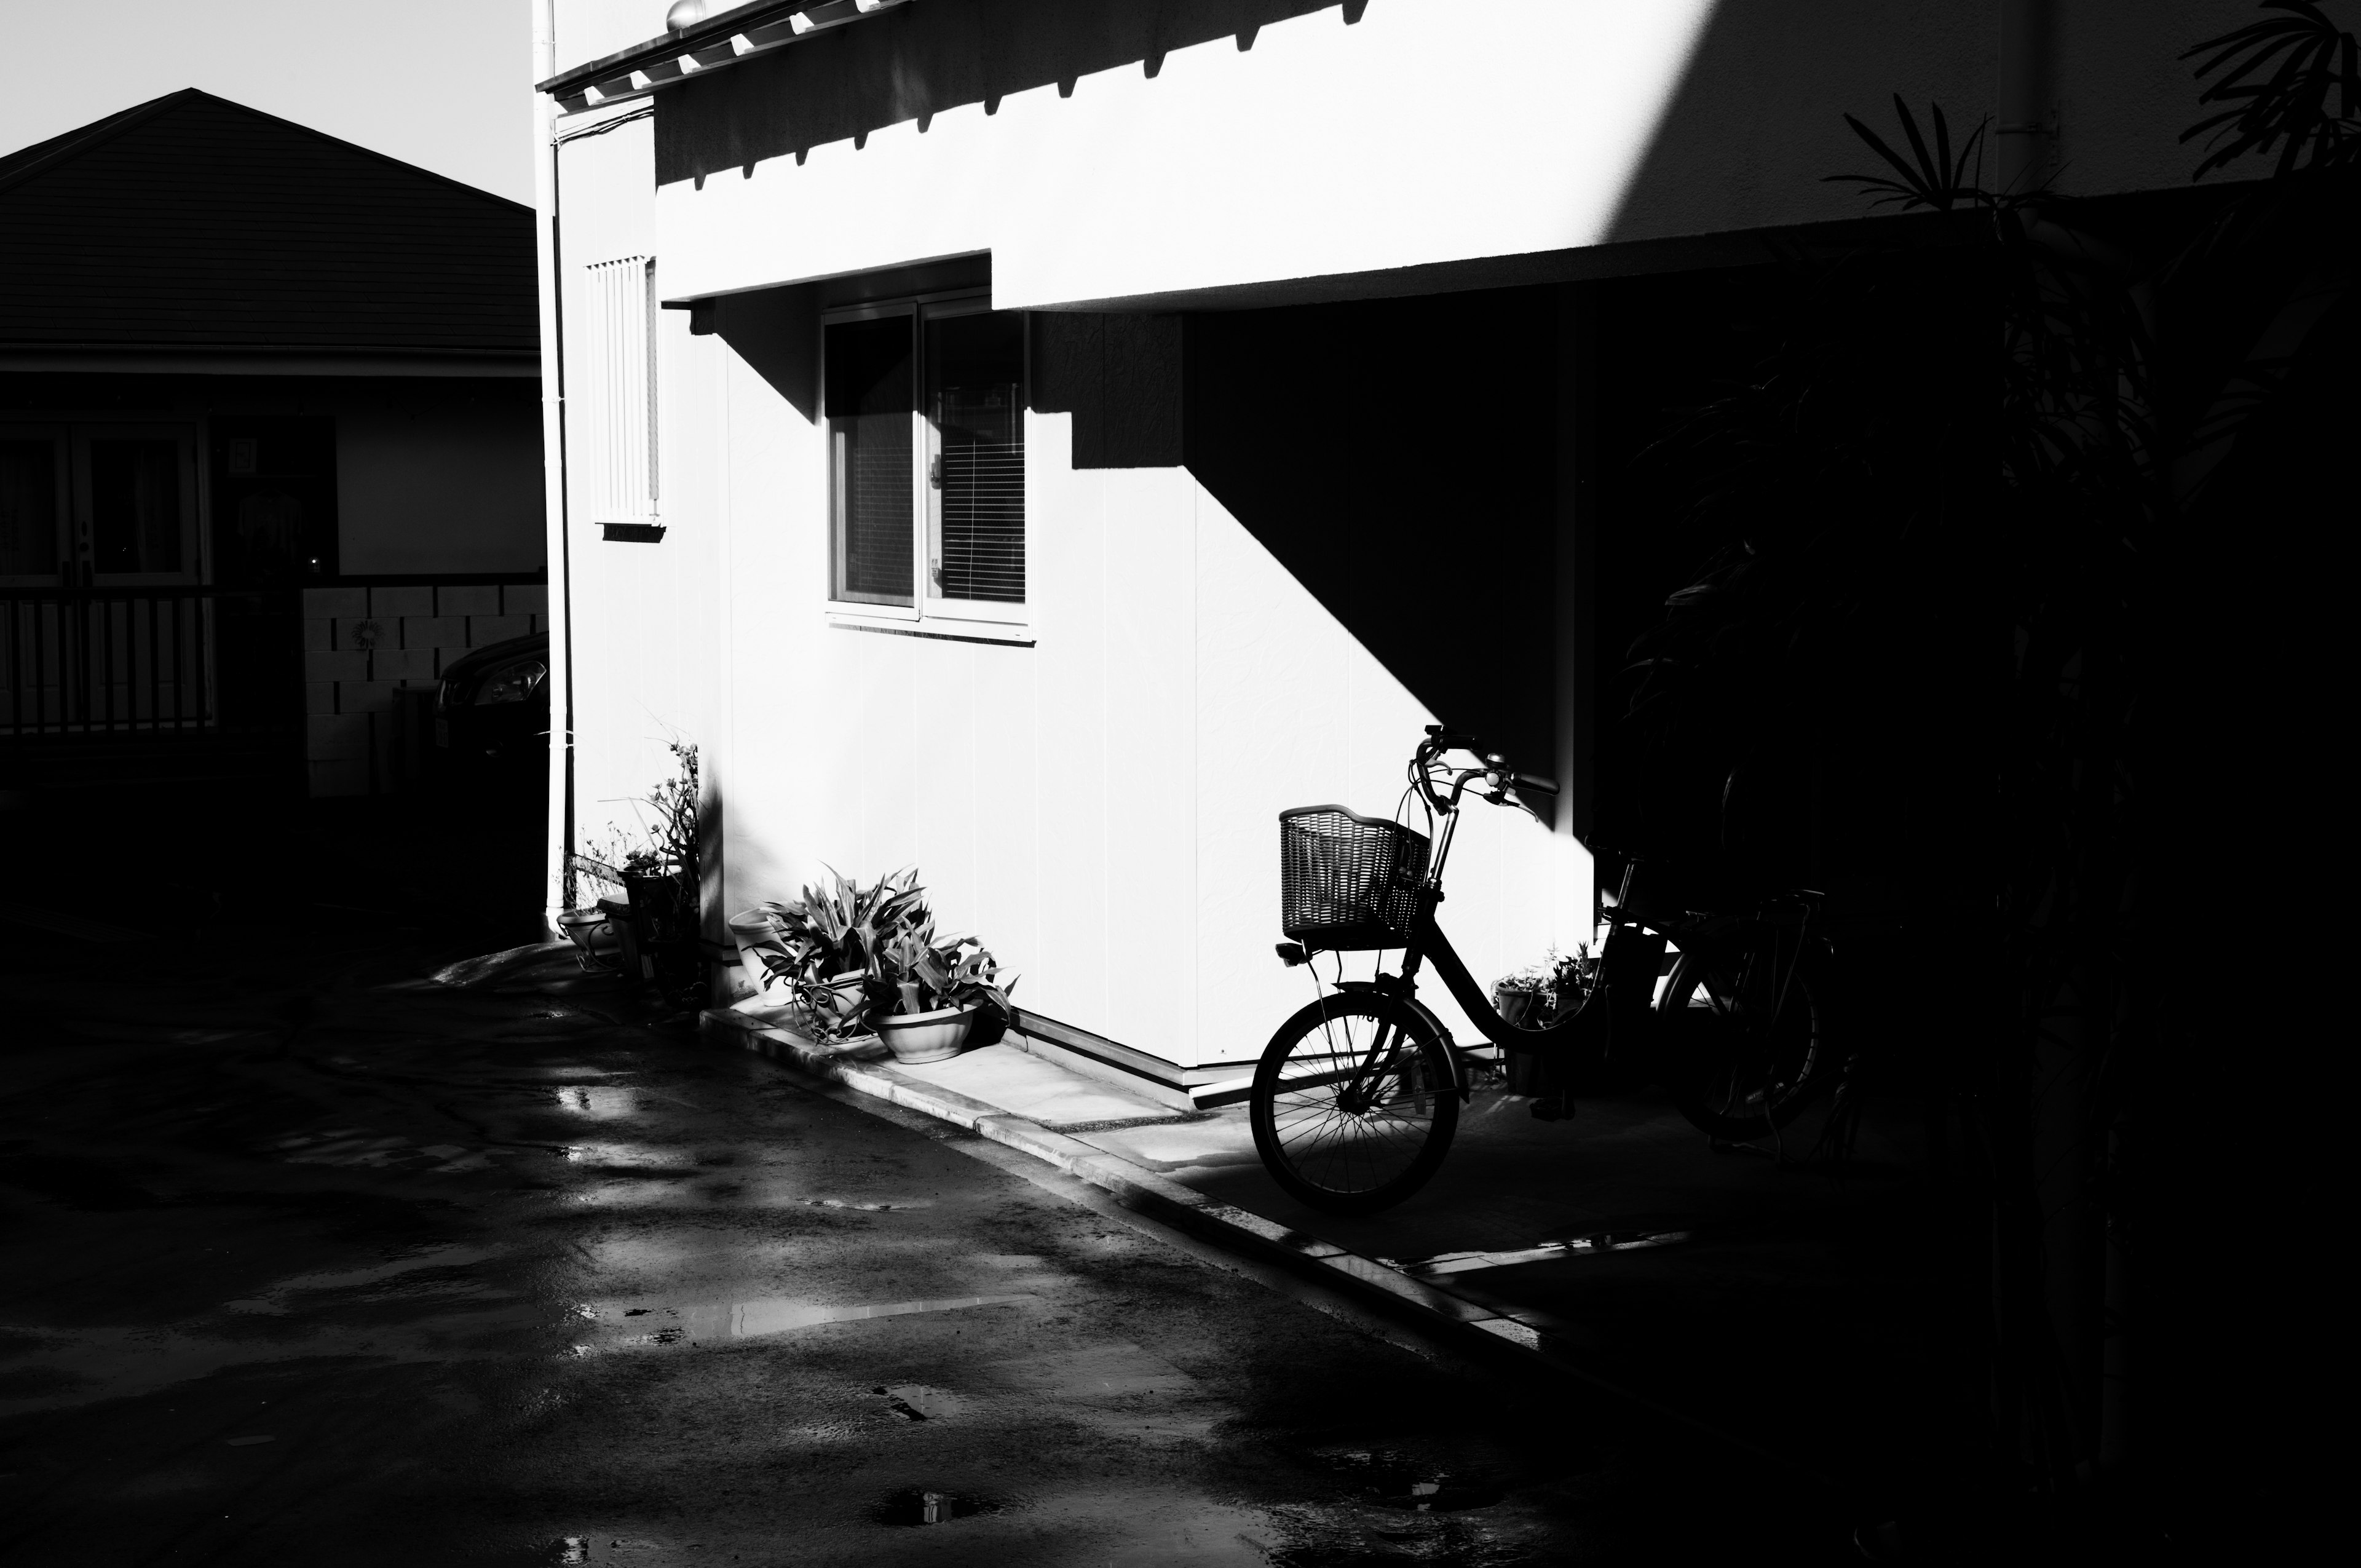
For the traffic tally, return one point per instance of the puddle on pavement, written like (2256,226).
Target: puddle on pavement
(630,1157)
(1396,1480)
(895,1207)
(600,1103)
(918,1506)
(717,1322)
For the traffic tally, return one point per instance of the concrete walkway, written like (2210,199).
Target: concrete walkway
(1773,1304)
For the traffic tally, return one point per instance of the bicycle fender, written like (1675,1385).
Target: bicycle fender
(1420,1011)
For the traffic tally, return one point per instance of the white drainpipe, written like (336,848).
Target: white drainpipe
(553,450)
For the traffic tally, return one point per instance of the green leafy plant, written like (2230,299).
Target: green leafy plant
(1972,504)
(884,932)
(960,973)
(668,843)
(1558,982)
(837,927)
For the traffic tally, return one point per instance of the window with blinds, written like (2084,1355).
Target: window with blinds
(622,387)
(925,410)
(870,447)
(975,387)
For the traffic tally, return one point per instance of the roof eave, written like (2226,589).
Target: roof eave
(716,43)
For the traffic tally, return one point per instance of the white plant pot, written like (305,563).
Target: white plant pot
(925,1036)
(847,992)
(750,928)
(592,932)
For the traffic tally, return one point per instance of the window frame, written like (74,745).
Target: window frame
(184,438)
(65,543)
(928,612)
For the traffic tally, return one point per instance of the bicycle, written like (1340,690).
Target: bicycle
(1357,1097)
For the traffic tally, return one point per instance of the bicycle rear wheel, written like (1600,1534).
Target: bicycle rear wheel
(1352,1106)
(1744,1030)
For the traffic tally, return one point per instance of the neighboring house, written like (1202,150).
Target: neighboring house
(1039,441)
(269,447)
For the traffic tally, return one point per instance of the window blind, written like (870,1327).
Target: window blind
(975,387)
(981,552)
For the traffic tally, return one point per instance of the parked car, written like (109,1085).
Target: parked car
(493,705)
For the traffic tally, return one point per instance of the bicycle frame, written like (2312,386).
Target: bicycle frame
(1627,979)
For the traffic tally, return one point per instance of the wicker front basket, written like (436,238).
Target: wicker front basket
(1345,881)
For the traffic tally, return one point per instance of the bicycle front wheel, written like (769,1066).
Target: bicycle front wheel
(1352,1105)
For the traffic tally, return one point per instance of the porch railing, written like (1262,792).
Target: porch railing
(114,660)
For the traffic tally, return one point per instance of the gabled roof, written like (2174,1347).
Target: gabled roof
(194,223)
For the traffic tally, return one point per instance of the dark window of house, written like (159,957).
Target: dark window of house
(135,505)
(869,451)
(28,508)
(274,500)
(975,375)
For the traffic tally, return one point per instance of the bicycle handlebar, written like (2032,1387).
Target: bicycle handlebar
(1495,769)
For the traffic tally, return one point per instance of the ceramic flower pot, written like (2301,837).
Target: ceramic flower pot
(593,935)
(751,929)
(1513,1006)
(927,1036)
(843,995)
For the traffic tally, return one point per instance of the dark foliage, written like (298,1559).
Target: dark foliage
(1961,529)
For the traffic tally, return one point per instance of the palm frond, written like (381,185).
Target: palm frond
(1931,178)
(2278,78)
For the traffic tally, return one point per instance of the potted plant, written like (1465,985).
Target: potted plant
(656,918)
(941,993)
(822,951)
(592,932)
(1516,996)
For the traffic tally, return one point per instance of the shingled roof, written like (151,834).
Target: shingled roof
(194,223)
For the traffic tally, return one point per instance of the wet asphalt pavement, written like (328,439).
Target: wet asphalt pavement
(307,1259)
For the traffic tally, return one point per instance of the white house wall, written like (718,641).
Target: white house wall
(1424,135)
(1325,148)
(1101,807)
(646,645)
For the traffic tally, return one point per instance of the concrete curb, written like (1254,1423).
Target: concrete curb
(1468,1317)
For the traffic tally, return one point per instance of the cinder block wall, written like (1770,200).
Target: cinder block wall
(361,645)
